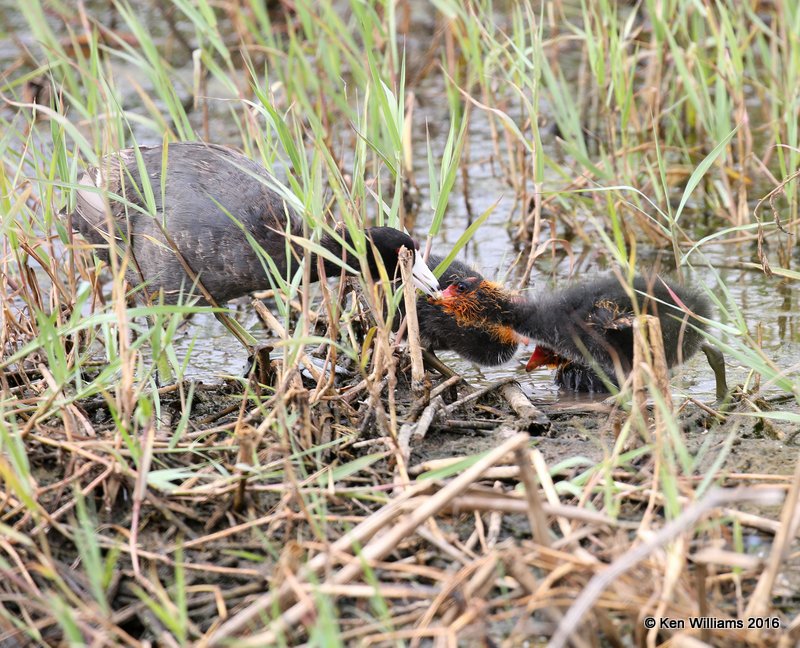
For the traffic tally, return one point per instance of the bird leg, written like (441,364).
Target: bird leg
(432,362)
(717,363)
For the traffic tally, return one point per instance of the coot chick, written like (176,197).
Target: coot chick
(209,206)
(588,325)
(442,329)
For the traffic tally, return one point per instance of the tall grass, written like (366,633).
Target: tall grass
(617,128)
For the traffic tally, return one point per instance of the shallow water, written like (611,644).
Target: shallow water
(492,251)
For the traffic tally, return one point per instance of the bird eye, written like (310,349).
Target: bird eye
(462,286)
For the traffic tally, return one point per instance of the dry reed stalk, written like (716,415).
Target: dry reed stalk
(448,383)
(745,519)
(271,322)
(452,381)
(717,556)
(475,395)
(477,587)
(139,493)
(549,489)
(367,591)
(356,536)
(383,375)
(536,516)
(684,640)
(659,377)
(500,472)
(433,535)
(531,416)
(651,362)
(790,638)
(517,568)
(419,386)
(645,349)
(397,620)
(753,521)
(374,550)
(686,520)
(248,439)
(416,431)
(759,602)
(68,506)
(495,521)
(265,295)
(455,592)
(641,356)
(536,601)
(44,405)
(673,561)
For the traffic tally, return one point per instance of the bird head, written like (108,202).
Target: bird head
(387,241)
(474,297)
(475,301)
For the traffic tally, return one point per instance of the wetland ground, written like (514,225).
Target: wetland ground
(544,143)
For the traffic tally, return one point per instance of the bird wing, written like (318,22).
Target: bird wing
(608,315)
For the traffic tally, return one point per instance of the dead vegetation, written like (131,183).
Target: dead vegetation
(387,504)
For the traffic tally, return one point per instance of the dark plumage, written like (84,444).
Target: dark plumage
(440,329)
(590,322)
(213,203)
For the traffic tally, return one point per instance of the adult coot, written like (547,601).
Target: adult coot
(207,213)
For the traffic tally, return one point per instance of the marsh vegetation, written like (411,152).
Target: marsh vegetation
(153,491)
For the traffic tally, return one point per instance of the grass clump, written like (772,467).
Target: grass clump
(140,505)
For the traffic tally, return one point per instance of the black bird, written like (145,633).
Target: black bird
(450,329)
(586,328)
(208,205)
